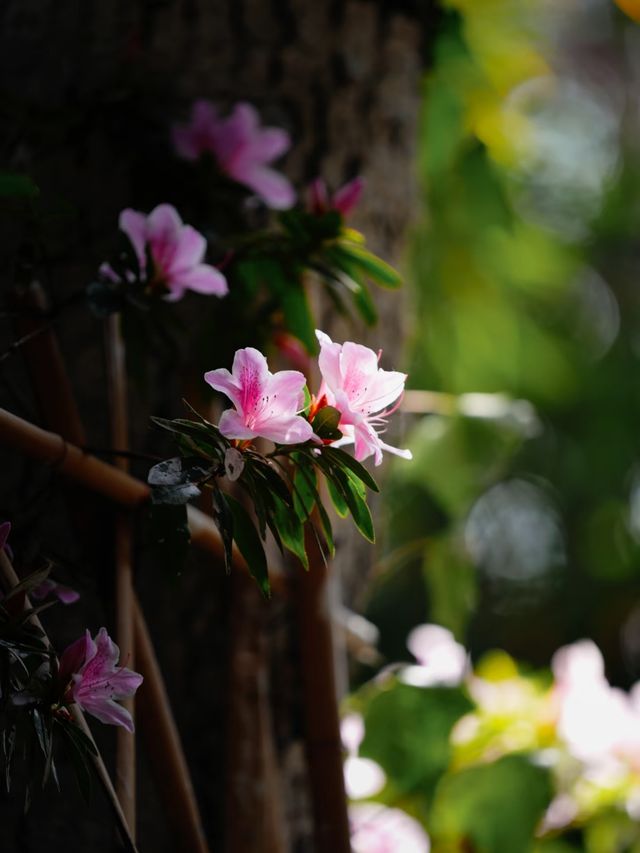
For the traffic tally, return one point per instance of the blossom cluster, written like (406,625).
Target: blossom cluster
(272,405)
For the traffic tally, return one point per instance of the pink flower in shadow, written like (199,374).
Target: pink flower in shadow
(344,200)
(361,391)
(266,404)
(242,148)
(48,587)
(176,251)
(89,672)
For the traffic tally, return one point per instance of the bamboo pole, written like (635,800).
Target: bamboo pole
(11,579)
(164,747)
(117,391)
(55,395)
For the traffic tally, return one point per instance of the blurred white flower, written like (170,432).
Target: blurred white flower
(441,660)
(362,776)
(377,829)
(600,724)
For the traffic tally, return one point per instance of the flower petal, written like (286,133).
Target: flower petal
(347,197)
(201,279)
(268,144)
(285,391)
(272,187)
(190,247)
(134,225)
(285,430)
(223,381)
(232,425)
(251,372)
(109,712)
(74,656)
(329,360)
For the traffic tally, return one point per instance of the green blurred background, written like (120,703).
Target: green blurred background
(518,525)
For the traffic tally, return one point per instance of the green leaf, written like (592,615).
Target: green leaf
(355,501)
(408,733)
(377,269)
(305,490)
(339,457)
(325,423)
(223,518)
(494,807)
(338,501)
(249,544)
(365,305)
(13,184)
(297,316)
(291,531)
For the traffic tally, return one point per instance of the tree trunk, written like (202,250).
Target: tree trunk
(88,90)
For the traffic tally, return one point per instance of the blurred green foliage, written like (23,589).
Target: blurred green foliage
(517,525)
(517,522)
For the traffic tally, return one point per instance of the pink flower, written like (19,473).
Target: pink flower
(344,200)
(378,829)
(361,391)
(92,678)
(267,404)
(176,252)
(63,593)
(362,776)
(241,147)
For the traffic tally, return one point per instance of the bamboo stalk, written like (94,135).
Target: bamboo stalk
(11,579)
(55,395)
(117,388)
(165,750)
(322,723)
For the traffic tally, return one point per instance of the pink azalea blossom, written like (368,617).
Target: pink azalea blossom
(344,200)
(378,829)
(89,671)
(354,384)
(63,593)
(266,404)
(176,250)
(242,149)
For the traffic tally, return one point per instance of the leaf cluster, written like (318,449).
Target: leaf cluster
(281,491)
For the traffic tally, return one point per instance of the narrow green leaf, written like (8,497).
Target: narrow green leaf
(355,502)
(377,269)
(337,499)
(249,544)
(224,522)
(305,492)
(337,456)
(291,531)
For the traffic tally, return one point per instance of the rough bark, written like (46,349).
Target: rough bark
(87,88)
